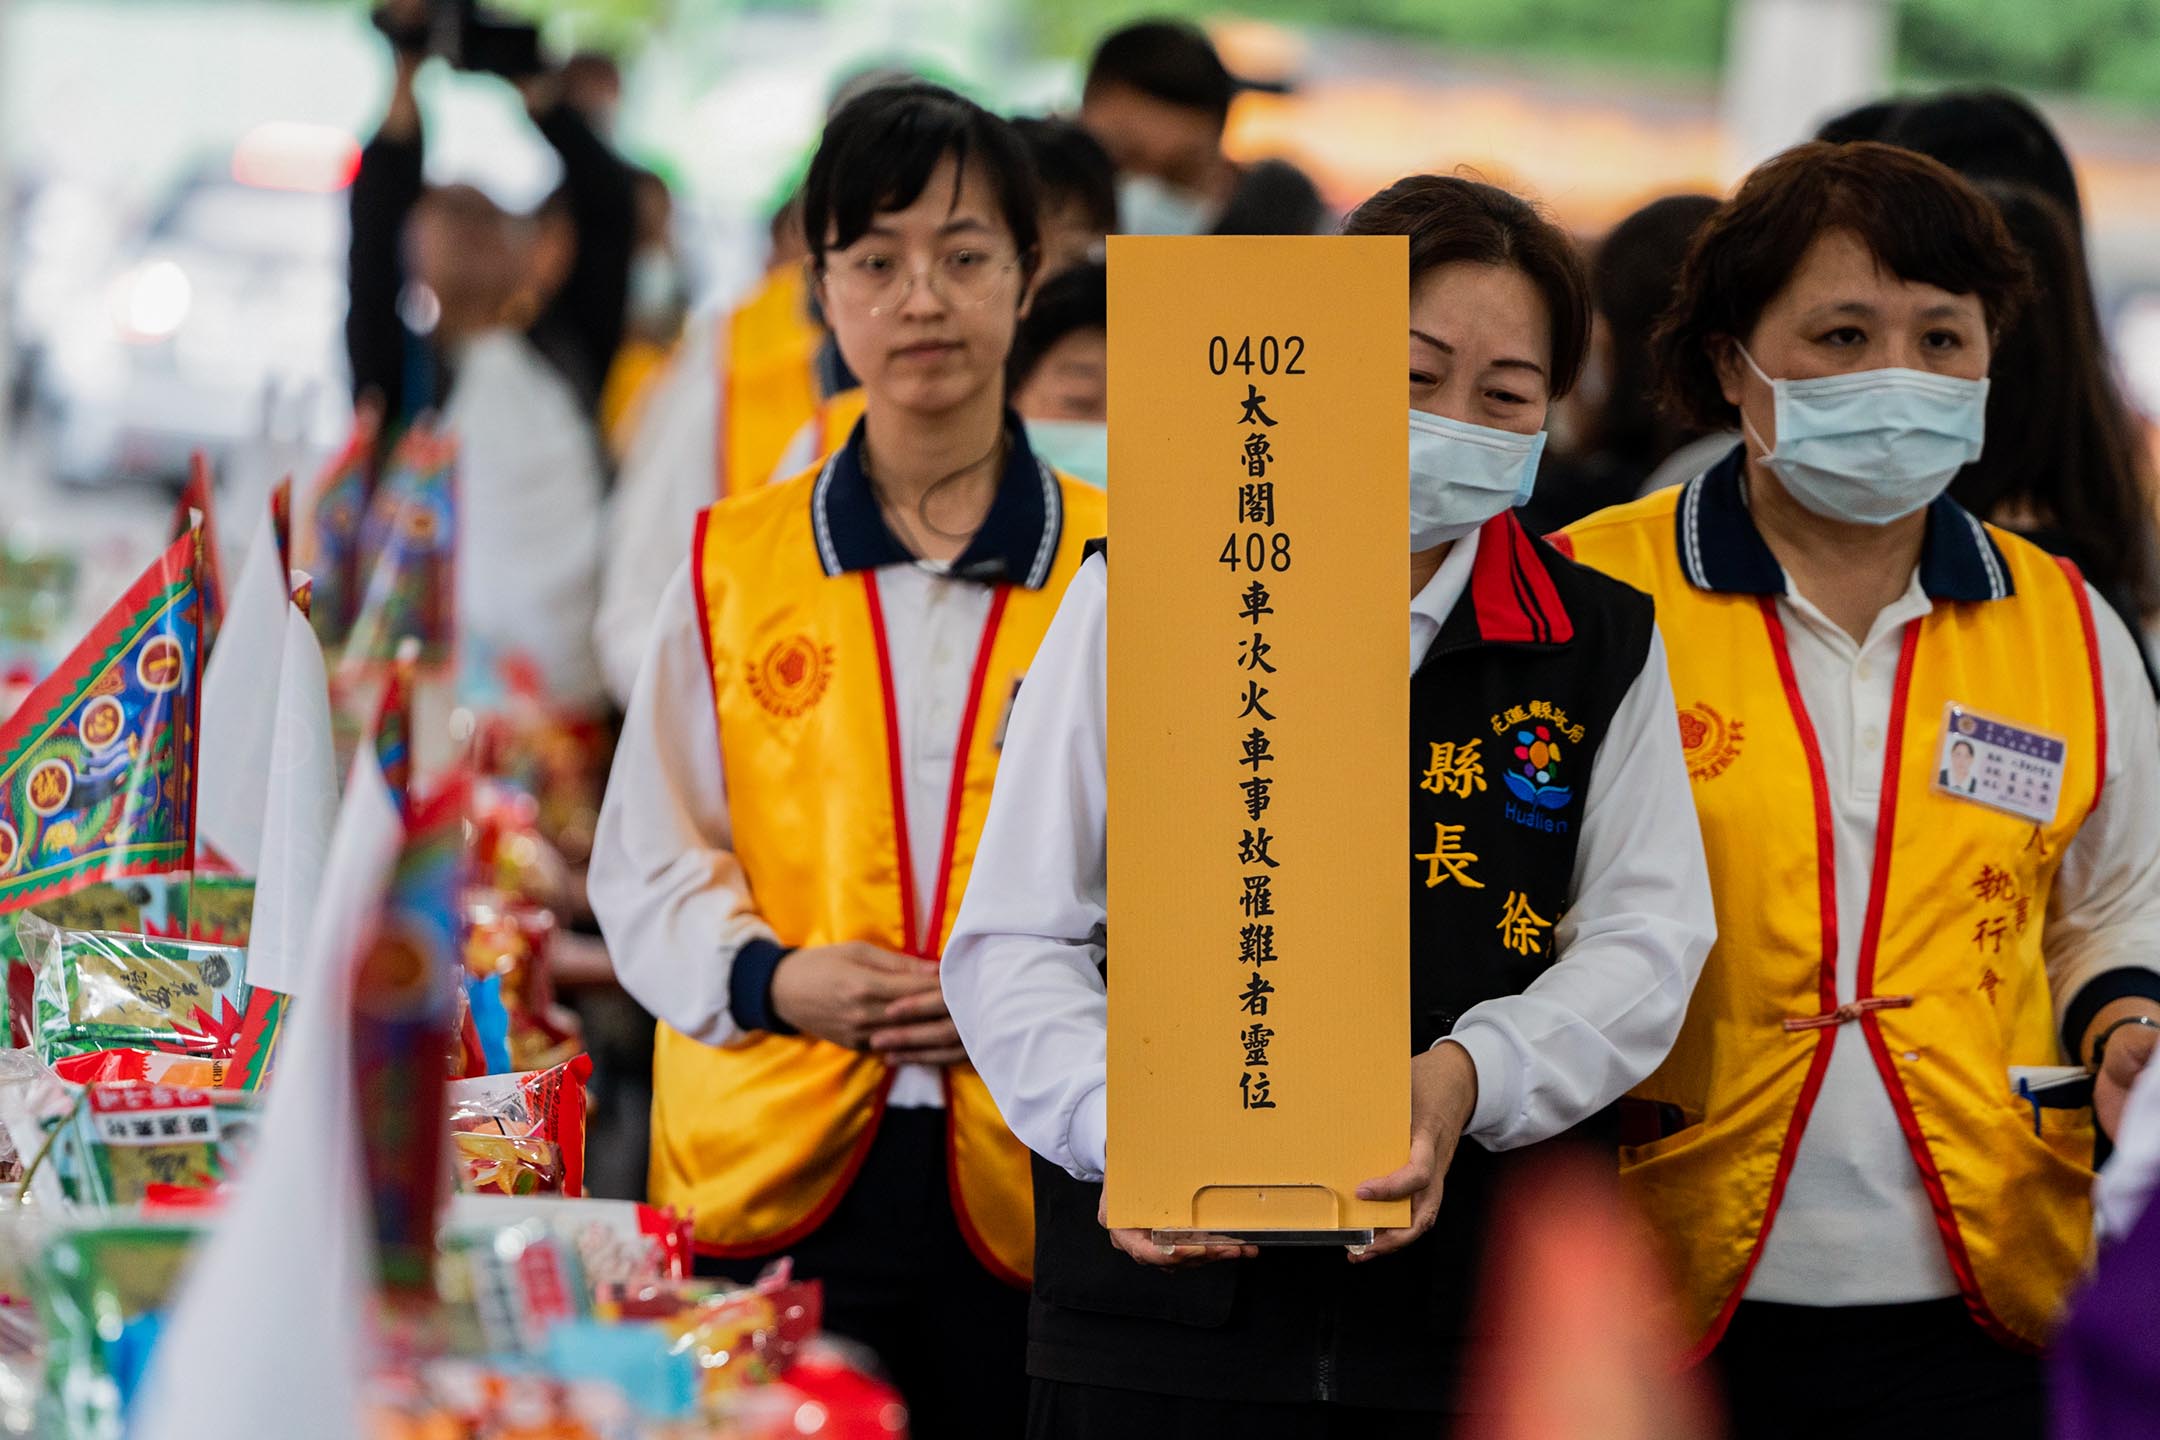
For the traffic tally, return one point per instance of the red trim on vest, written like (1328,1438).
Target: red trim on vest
(1511,591)
(1878,889)
(704,611)
(1826,1038)
(934,934)
(2099,679)
(968,1232)
(901,849)
(768,1244)
(1563,542)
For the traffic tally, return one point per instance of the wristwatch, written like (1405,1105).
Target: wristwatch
(2099,1052)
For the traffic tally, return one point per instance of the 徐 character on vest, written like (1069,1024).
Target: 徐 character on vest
(1924,758)
(804,770)
(1559,905)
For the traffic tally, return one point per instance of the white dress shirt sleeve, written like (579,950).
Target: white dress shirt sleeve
(1022,969)
(1630,947)
(666,479)
(801,452)
(529,503)
(2104,912)
(670,895)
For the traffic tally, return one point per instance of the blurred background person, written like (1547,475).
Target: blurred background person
(580,278)
(1078,189)
(528,478)
(658,303)
(1158,97)
(1618,436)
(2066,464)
(1058,378)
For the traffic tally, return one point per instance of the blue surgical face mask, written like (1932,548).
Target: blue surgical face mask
(1148,206)
(1873,446)
(1461,475)
(1080,448)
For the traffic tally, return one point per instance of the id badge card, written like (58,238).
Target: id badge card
(1994,763)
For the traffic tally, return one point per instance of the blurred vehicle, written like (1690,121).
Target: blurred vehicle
(230,305)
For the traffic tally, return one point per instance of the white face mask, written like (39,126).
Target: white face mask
(1080,448)
(1461,475)
(1873,446)
(1148,206)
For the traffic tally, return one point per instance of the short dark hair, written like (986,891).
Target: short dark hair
(1068,302)
(1071,168)
(1632,279)
(1984,134)
(1966,743)
(1168,60)
(877,154)
(1920,220)
(1449,218)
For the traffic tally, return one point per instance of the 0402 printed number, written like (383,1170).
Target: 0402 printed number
(1268,355)
(1255,551)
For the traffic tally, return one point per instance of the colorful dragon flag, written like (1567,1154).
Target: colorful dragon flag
(198,508)
(408,544)
(97,766)
(332,556)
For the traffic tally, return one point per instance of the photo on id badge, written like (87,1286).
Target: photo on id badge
(2002,766)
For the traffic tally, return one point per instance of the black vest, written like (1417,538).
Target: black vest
(1518,689)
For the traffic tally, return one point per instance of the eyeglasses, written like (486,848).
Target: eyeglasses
(881,283)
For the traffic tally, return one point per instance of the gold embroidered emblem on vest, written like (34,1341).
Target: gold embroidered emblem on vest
(792,677)
(1711,742)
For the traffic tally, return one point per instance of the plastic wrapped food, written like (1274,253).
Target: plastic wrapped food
(121,1143)
(94,1282)
(508,939)
(627,1249)
(546,1105)
(504,1286)
(507,1164)
(101,990)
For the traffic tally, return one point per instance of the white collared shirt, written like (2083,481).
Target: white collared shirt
(1021,970)
(670,895)
(1855,1226)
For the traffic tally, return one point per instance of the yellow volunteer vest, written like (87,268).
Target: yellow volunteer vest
(759,1139)
(1951,991)
(767,349)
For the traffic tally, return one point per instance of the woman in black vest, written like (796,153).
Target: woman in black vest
(1560,906)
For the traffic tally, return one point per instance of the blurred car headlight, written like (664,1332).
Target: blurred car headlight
(151,301)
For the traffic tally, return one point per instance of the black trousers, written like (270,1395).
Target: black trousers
(1875,1372)
(1058,1411)
(900,1279)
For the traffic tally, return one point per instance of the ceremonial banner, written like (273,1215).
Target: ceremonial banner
(408,545)
(198,508)
(1259,723)
(332,551)
(97,766)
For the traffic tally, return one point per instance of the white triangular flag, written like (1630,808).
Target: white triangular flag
(268,792)
(270,1333)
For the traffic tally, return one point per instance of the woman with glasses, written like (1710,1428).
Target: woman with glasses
(804,769)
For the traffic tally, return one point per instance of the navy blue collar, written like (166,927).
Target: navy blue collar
(1720,548)
(1017,541)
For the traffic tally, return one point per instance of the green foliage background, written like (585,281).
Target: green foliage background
(2104,49)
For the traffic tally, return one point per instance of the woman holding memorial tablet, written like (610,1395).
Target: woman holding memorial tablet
(1559,905)
(1921,750)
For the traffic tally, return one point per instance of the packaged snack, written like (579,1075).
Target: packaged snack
(507,1164)
(544,1105)
(93,1281)
(102,990)
(120,1143)
(626,1248)
(504,1286)
(507,939)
